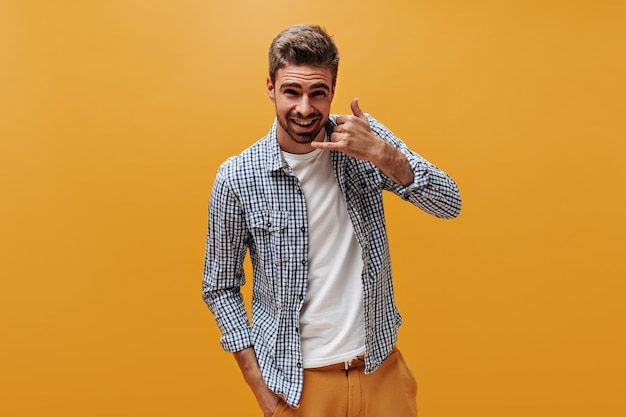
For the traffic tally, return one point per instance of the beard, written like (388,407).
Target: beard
(304,135)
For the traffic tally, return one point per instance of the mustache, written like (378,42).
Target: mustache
(296,115)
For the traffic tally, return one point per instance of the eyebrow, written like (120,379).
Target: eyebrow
(295,84)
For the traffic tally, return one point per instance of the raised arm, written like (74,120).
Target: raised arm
(405,172)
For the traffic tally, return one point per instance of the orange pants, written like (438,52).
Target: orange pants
(331,391)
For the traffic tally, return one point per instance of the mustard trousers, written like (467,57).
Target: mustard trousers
(333,391)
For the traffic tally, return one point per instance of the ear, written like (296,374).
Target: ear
(270,89)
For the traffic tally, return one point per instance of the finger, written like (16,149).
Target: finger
(340,120)
(324,145)
(356,110)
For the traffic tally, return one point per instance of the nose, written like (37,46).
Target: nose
(304,107)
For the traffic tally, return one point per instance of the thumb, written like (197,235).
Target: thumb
(356,110)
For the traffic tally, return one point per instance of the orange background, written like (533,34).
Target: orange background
(114,116)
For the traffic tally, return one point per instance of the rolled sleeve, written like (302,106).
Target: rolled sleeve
(432,190)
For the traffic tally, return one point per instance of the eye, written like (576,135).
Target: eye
(290,92)
(319,93)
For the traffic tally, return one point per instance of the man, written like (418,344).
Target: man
(306,201)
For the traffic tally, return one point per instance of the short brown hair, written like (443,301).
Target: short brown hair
(303,45)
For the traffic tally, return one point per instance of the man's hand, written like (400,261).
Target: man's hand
(354,136)
(268,401)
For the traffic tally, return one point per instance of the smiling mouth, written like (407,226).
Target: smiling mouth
(303,122)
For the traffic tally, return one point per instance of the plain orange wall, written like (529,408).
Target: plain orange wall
(114,116)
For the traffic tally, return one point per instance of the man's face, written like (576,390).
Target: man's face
(302,96)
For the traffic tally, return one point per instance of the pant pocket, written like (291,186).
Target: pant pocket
(282,405)
(409,378)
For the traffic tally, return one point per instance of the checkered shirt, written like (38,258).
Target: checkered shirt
(257,205)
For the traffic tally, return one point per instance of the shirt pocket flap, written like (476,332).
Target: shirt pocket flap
(364,180)
(269,220)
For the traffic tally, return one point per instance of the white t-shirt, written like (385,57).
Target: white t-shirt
(331,320)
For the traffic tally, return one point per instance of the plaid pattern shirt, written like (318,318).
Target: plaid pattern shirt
(257,204)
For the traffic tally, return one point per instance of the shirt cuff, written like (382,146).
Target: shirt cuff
(236,341)
(421,178)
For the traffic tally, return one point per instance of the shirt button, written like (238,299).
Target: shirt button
(303,229)
(304,262)
(269,224)
(299,365)
(301,297)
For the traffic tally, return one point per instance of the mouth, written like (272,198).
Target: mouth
(304,123)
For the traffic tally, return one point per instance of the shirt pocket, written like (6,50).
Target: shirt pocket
(364,190)
(363,179)
(269,229)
